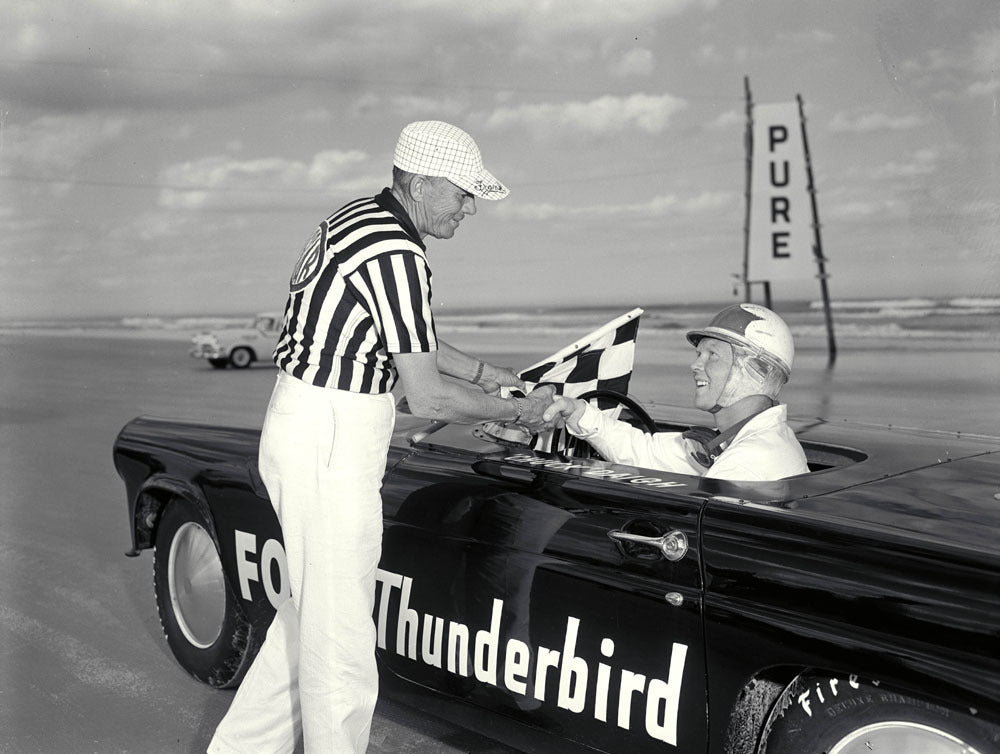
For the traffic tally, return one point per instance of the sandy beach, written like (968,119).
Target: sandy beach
(84,665)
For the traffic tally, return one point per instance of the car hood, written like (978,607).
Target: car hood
(954,501)
(910,483)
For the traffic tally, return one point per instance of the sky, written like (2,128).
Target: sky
(171,157)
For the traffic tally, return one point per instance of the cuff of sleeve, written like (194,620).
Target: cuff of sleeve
(587,424)
(413,347)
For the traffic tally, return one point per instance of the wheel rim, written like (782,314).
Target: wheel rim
(897,736)
(197,585)
(240,357)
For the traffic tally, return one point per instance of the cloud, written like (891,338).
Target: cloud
(664,205)
(332,166)
(187,54)
(873,122)
(416,107)
(924,162)
(984,56)
(554,18)
(921,162)
(109,53)
(859,210)
(318,115)
(727,120)
(807,39)
(984,88)
(15,224)
(985,64)
(222,181)
(635,62)
(650,114)
(408,106)
(709,54)
(984,209)
(968,64)
(57,144)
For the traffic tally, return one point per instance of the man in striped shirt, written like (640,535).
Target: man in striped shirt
(358,317)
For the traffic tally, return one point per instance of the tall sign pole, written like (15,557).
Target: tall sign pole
(818,244)
(749,191)
(778,233)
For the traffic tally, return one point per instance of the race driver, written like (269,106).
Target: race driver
(743,358)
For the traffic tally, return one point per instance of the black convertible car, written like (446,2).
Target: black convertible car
(559,602)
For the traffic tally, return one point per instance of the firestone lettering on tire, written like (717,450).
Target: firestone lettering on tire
(804,699)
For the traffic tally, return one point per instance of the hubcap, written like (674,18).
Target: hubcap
(898,736)
(197,585)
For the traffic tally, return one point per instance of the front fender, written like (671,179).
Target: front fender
(150,500)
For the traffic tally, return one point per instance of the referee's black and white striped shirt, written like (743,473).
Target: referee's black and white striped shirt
(361,291)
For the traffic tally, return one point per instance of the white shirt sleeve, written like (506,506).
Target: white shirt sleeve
(620,442)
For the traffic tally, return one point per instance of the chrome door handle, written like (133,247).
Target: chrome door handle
(673,545)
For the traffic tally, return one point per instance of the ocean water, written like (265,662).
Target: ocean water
(967,318)
(961,318)
(914,362)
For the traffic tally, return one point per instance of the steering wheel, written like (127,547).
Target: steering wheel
(579,448)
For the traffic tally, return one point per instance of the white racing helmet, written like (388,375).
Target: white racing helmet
(762,347)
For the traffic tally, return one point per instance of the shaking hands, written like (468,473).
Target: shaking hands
(543,409)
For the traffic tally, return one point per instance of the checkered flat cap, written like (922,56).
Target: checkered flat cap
(431,147)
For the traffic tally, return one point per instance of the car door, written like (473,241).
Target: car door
(501,583)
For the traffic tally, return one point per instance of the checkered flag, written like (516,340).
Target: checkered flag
(601,360)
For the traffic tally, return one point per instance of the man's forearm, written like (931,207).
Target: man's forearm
(455,363)
(486,376)
(455,403)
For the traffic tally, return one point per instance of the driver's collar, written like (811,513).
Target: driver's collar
(712,443)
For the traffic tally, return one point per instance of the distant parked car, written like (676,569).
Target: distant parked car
(239,346)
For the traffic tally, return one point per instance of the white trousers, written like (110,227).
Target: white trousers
(322,458)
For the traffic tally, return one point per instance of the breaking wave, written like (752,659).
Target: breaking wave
(965,318)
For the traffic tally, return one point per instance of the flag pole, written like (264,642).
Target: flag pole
(748,144)
(818,245)
(586,339)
